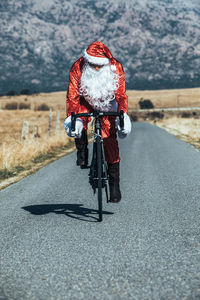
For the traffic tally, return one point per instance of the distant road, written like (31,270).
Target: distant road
(147,247)
(167,109)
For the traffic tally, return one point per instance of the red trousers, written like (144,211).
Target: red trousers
(109,135)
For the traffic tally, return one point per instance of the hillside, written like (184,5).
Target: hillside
(157,41)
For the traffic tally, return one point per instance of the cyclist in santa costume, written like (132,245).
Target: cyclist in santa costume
(97,82)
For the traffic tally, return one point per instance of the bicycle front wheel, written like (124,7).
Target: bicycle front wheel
(99,176)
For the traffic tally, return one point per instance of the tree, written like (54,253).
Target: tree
(11,93)
(25,92)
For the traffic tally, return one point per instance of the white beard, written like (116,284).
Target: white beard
(98,87)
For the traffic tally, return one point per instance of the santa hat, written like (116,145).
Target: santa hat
(97,53)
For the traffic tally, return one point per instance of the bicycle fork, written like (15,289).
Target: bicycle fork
(98,168)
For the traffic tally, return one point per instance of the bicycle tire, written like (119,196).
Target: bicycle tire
(93,169)
(99,175)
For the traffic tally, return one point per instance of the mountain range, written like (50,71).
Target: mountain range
(157,41)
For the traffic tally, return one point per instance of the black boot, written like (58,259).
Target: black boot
(115,193)
(82,150)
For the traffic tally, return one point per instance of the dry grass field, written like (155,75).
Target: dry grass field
(166,98)
(184,126)
(16,155)
(160,99)
(187,129)
(55,100)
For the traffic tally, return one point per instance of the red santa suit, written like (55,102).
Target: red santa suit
(78,100)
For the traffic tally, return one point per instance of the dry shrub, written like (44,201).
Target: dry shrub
(133,117)
(155,115)
(11,106)
(24,105)
(43,107)
(14,152)
(186,115)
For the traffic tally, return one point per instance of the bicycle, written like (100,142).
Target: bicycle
(98,174)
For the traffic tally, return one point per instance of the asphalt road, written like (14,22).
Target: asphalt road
(147,247)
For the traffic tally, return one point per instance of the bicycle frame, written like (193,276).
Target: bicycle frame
(98,175)
(103,167)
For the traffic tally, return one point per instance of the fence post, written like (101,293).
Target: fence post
(35,131)
(58,121)
(50,121)
(25,130)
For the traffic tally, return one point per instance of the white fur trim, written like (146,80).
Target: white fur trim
(96,60)
(113,67)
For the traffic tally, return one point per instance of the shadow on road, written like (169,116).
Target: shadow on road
(75,211)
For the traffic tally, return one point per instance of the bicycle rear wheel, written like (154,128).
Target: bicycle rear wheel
(99,176)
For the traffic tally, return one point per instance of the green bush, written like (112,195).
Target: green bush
(11,93)
(11,106)
(25,92)
(43,107)
(145,104)
(7,173)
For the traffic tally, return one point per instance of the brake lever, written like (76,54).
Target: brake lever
(121,119)
(73,123)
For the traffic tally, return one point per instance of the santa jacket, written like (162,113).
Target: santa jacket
(76,103)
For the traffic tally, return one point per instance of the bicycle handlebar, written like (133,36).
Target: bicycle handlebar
(97,114)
